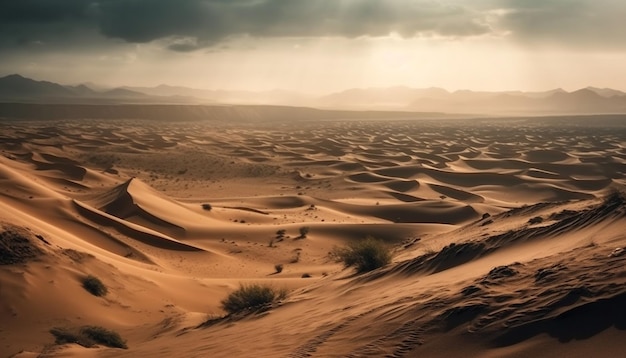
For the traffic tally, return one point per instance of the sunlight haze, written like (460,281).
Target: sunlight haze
(319,46)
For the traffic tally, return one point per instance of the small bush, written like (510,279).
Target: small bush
(88,336)
(251,297)
(278,268)
(103,336)
(366,255)
(64,336)
(17,246)
(296,258)
(207,207)
(94,286)
(304,231)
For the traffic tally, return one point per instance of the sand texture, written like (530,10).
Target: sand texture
(507,236)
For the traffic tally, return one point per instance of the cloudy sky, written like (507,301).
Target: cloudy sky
(318,45)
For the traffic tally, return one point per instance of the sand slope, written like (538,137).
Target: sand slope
(507,237)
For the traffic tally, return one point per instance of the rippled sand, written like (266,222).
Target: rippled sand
(506,236)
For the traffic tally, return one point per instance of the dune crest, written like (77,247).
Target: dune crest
(506,236)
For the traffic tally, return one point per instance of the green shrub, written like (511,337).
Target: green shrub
(366,255)
(251,297)
(94,286)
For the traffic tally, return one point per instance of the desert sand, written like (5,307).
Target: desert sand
(507,236)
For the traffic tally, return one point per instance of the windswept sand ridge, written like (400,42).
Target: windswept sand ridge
(501,231)
(492,306)
(137,232)
(554,226)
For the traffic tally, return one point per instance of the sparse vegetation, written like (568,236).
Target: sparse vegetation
(304,231)
(16,247)
(280,235)
(251,297)
(207,206)
(88,336)
(65,336)
(103,336)
(94,286)
(296,258)
(365,255)
(278,268)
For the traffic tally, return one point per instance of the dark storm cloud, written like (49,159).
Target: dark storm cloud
(42,11)
(189,24)
(211,21)
(45,23)
(579,23)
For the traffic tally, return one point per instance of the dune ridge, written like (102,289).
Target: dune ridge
(507,236)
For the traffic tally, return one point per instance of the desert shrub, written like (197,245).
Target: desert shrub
(304,231)
(16,247)
(64,336)
(278,268)
(296,258)
(251,297)
(94,286)
(88,336)
(365,255)
(103,336)
(207,207)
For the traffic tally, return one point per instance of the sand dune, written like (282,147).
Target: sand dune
(507,236)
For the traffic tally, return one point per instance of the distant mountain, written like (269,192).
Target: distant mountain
(167,90)
(590,100)
(481,102)
(123,92)
(607,92)
(583,101)
(380,97)
(231,97)
(16,88)
(543,94)
(82,90)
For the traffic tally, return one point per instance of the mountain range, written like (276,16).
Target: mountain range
(18,89)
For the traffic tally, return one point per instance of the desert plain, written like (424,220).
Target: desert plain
(507,236)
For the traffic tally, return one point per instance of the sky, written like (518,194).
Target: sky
(318,46)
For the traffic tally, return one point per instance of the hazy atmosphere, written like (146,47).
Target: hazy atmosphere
(318,46)
(312,178)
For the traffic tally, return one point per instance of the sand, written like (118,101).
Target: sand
(506,236)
